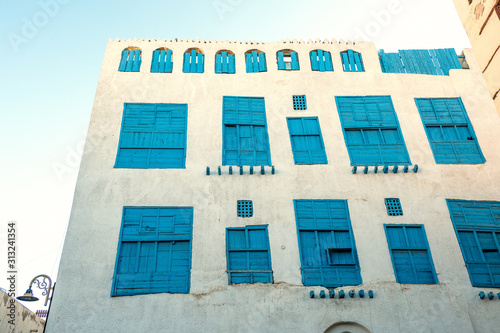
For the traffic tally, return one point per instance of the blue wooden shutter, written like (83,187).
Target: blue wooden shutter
(358,62)
(295,61)
(231,64)
(155,62)
(262,62)
(162,61)
(200,65)
(255,62)
(248,62)
(218,63)
(345,61)
(328,61)
(281,62)
(248,255)
(313,55)
(137,60)
(306,139)
(152,136)
(327,248)
(154,251)
(123,61)
(186,65)
(410,254)
(224,62)
(193,67)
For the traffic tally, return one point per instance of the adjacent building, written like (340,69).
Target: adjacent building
(294,186)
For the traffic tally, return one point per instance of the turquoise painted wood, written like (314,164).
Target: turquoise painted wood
(327,248)
(477,225)
(255,62)
(154,251)
(249,63)
(262,62)
(328,61)
(352,61)
(431,62)
(194,62)
(371,131)
(295,61)
(186,65)
(162,61)
(152,136)
(248,255)
(321,61)
(218,63)
(306,140)
(449,131)
(313,55)
(245,138)
(410,254)
(231,68)
(281,61)
(123,61)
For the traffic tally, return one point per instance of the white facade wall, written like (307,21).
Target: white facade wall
(88,260)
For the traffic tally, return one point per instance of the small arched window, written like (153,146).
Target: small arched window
(352,61)
(321,61)
(255,61)
(162,61)
(224,62)
(131,60)
(287,60)
(194,61)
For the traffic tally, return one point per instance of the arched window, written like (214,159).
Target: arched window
(352,61)
(321,61)
(255,61)
(162,61)
(131,60)
(194,61)
(224,62)
(287,60)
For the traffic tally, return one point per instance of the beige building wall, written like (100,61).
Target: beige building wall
(481,19)
(16,318)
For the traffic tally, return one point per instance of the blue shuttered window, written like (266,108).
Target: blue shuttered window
(255,61)
(306,139)
(131,60)
(224,62)
(152,136)
(477,225)
(321,61)
(194,61)
(410,254)
(431,62)
(154,251)
(162,61)
(248,255)
(327,249)
(371,130)
(245,139)
(352,61)
(287,60)
(449,131)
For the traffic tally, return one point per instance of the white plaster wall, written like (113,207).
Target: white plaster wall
(88,260)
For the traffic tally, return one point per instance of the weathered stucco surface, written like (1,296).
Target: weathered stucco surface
(88,260)
(25,321)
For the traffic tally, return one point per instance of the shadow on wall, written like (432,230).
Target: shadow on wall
(347,327)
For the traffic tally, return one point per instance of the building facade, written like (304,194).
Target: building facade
(284,187)
(481,19)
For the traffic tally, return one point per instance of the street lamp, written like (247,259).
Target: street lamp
(43,282)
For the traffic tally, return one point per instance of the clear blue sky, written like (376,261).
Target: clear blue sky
(51,55)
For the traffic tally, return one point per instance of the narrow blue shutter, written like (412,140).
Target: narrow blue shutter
(200,68)
(345,62)
(321,60)
(123,61)
(255,62)
(358,62)
(162,61)
(248,62)
(295,61)
(352,63)
(137,61)
(231,64)
(262,62)
(218,63)
(307,143)
(313,55)
(281,62)
(193,67)
(169,64)
(155,61)
(328,61)
(186,66)
(224,62)
(130,61)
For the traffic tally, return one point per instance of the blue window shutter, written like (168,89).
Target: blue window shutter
(306,139)
(155,62)
(255,62)
(162,60)
(186,66)
(152,136)
(328,61)
(224,62)
(193,67)
(130,61)
(313,55)
(352,63)
(154,251)
(248,255)
(231,65)
(410,254)
(295,61)
(123,61)
(321,60)
(345,62)
(262,62)
(218,63)
(137,61)
(449,131)
(327,248)
(248,62)
(359,63)
(169,64)
(281,62)
(200,67)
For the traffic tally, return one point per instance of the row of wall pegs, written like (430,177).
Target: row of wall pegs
(242,170)
(383,168)
(490,295)
(342,294)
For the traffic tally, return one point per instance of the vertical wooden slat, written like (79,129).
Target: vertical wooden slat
(314,61)
(345,62)
(224,60)
(200,65)
(295,61)
(281,62)
(137,61)
(161,67)
(321,60)
(130,61)
(169,63)
(262,62)
(231,65)
(123,61)
(218,63)
(255,62)
(186,65)
(154,62)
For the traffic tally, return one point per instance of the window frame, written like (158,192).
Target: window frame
(287,60)
(321,60)
(255,61)
(411,251)
(225,62)
(196,66)
(263,276)
(130,61)
(316,156)
(352,61)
